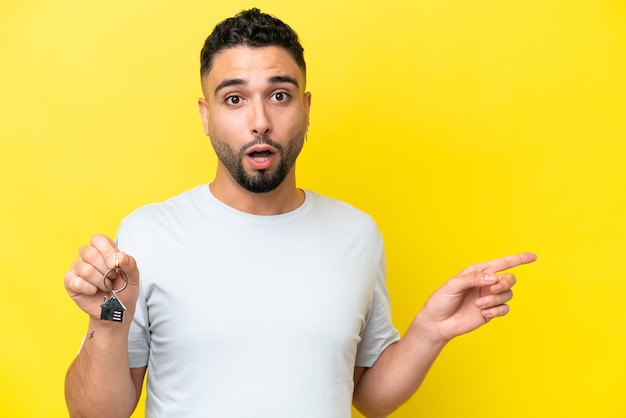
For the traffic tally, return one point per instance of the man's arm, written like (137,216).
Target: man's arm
(99,382)
(461,305)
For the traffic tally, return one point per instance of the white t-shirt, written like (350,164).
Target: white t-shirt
(255,316)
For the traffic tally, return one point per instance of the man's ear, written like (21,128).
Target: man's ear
(203,108)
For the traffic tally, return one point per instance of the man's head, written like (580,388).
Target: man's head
(253,29)
(255,108)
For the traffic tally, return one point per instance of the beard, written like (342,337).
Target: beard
(261,181)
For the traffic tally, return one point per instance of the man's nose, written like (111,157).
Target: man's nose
(260,121)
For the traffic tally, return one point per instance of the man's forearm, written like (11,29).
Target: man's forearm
(98,383)
(398,372)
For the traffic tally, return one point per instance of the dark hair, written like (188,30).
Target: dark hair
(253,29)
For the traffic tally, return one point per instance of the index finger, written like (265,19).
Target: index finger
(500,264)
(107,249)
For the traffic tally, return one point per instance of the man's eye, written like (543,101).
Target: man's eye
(233,100)
(281,96)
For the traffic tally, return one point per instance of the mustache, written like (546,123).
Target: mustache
(261,140)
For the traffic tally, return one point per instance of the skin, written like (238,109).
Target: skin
(467,301)
(256,111)
(258,101)
(104,356)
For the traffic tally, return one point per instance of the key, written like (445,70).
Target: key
(113,309)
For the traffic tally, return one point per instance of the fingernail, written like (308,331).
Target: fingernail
(489,278)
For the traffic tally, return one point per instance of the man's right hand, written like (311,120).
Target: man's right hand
(103,357)
(84,281)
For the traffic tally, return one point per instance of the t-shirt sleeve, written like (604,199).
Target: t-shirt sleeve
(139,336)
(379,331)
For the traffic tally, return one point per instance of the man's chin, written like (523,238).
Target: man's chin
(261,185)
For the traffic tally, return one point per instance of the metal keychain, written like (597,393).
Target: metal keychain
(113,308)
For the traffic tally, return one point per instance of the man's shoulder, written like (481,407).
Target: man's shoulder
(333,203)
(330,206)
(177,206)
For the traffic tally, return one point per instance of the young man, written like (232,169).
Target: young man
(256,298)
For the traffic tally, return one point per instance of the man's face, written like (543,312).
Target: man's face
(256,112)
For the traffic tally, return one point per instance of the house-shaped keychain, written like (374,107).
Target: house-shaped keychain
(112,309)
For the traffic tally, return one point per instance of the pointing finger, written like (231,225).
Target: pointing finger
(501,264)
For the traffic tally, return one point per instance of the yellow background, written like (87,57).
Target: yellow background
(468,129)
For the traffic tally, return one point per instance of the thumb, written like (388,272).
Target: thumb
(464,282)
(126,263)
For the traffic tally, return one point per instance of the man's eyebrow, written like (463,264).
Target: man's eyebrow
(228,83)
(284,79)
(240,82)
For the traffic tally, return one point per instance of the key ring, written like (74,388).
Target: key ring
(116,269)
(113,309)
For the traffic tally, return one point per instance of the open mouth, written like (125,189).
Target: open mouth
(260,156)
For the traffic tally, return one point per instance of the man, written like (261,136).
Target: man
(256,298)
